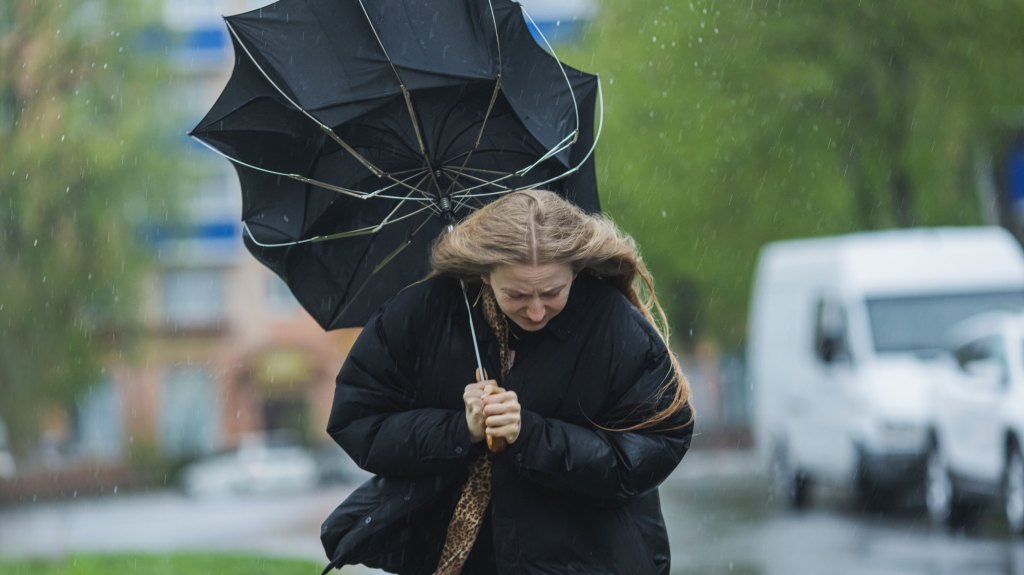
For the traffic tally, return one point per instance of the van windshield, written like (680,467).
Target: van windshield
(922,323)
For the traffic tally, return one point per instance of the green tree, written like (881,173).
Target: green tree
(733,123)
(85,157)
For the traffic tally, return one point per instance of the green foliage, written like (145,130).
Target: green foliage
(85,159)
(174,564)
(729,124)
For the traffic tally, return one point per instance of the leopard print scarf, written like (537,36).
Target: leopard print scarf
(476,493)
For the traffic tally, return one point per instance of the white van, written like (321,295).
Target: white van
(840,337)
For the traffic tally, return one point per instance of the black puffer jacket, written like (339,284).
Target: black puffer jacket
(567,496)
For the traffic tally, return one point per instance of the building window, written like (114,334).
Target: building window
(188,412)
(193,297)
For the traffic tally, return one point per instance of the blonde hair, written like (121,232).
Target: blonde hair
(537,227)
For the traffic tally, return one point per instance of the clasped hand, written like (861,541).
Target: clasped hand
(491,411)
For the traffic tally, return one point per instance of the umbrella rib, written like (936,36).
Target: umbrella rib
(467,197)
(339,235)
(386,221)
(327,129)
(472,177)
(386,260)
(497,36)
(561,67)
(480,171)
(405,94)
(480,134)
(374,229)
(346,191)
(490,105)
(523,171)
(566,142)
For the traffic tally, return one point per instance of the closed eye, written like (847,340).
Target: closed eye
(553,293)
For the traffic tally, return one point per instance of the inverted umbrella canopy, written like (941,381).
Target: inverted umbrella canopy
(360,130)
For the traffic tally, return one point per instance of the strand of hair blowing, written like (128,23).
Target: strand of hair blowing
(537,227)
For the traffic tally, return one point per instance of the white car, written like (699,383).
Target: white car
(259,465)
(976,454)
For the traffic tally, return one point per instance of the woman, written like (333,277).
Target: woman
(592,409)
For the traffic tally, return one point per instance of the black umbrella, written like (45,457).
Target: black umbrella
(359,130)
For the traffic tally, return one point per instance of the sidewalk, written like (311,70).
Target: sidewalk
(282,525)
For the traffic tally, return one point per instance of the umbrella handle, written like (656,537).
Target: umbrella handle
(494,444)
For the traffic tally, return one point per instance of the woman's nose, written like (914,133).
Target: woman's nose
(535,311)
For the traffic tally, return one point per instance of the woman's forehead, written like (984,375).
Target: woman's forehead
(528,276)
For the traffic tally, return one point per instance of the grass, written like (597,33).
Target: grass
(170,564)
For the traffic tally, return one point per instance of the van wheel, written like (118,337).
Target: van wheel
(1013,491)
(791,485)
(944,502)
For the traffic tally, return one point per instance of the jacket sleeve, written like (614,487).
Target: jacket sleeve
(373,417)
(608,467)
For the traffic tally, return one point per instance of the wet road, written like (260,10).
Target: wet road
(723,520)
(718,509)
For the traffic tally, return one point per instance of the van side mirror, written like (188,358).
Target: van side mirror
(830,343)
(831,348)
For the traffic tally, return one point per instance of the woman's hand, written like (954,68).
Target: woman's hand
(473,398)
(502,414)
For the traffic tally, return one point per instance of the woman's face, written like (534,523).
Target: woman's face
(531,295)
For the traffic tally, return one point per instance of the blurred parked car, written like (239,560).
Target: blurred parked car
(260,464)
(975,454)
(843,331)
